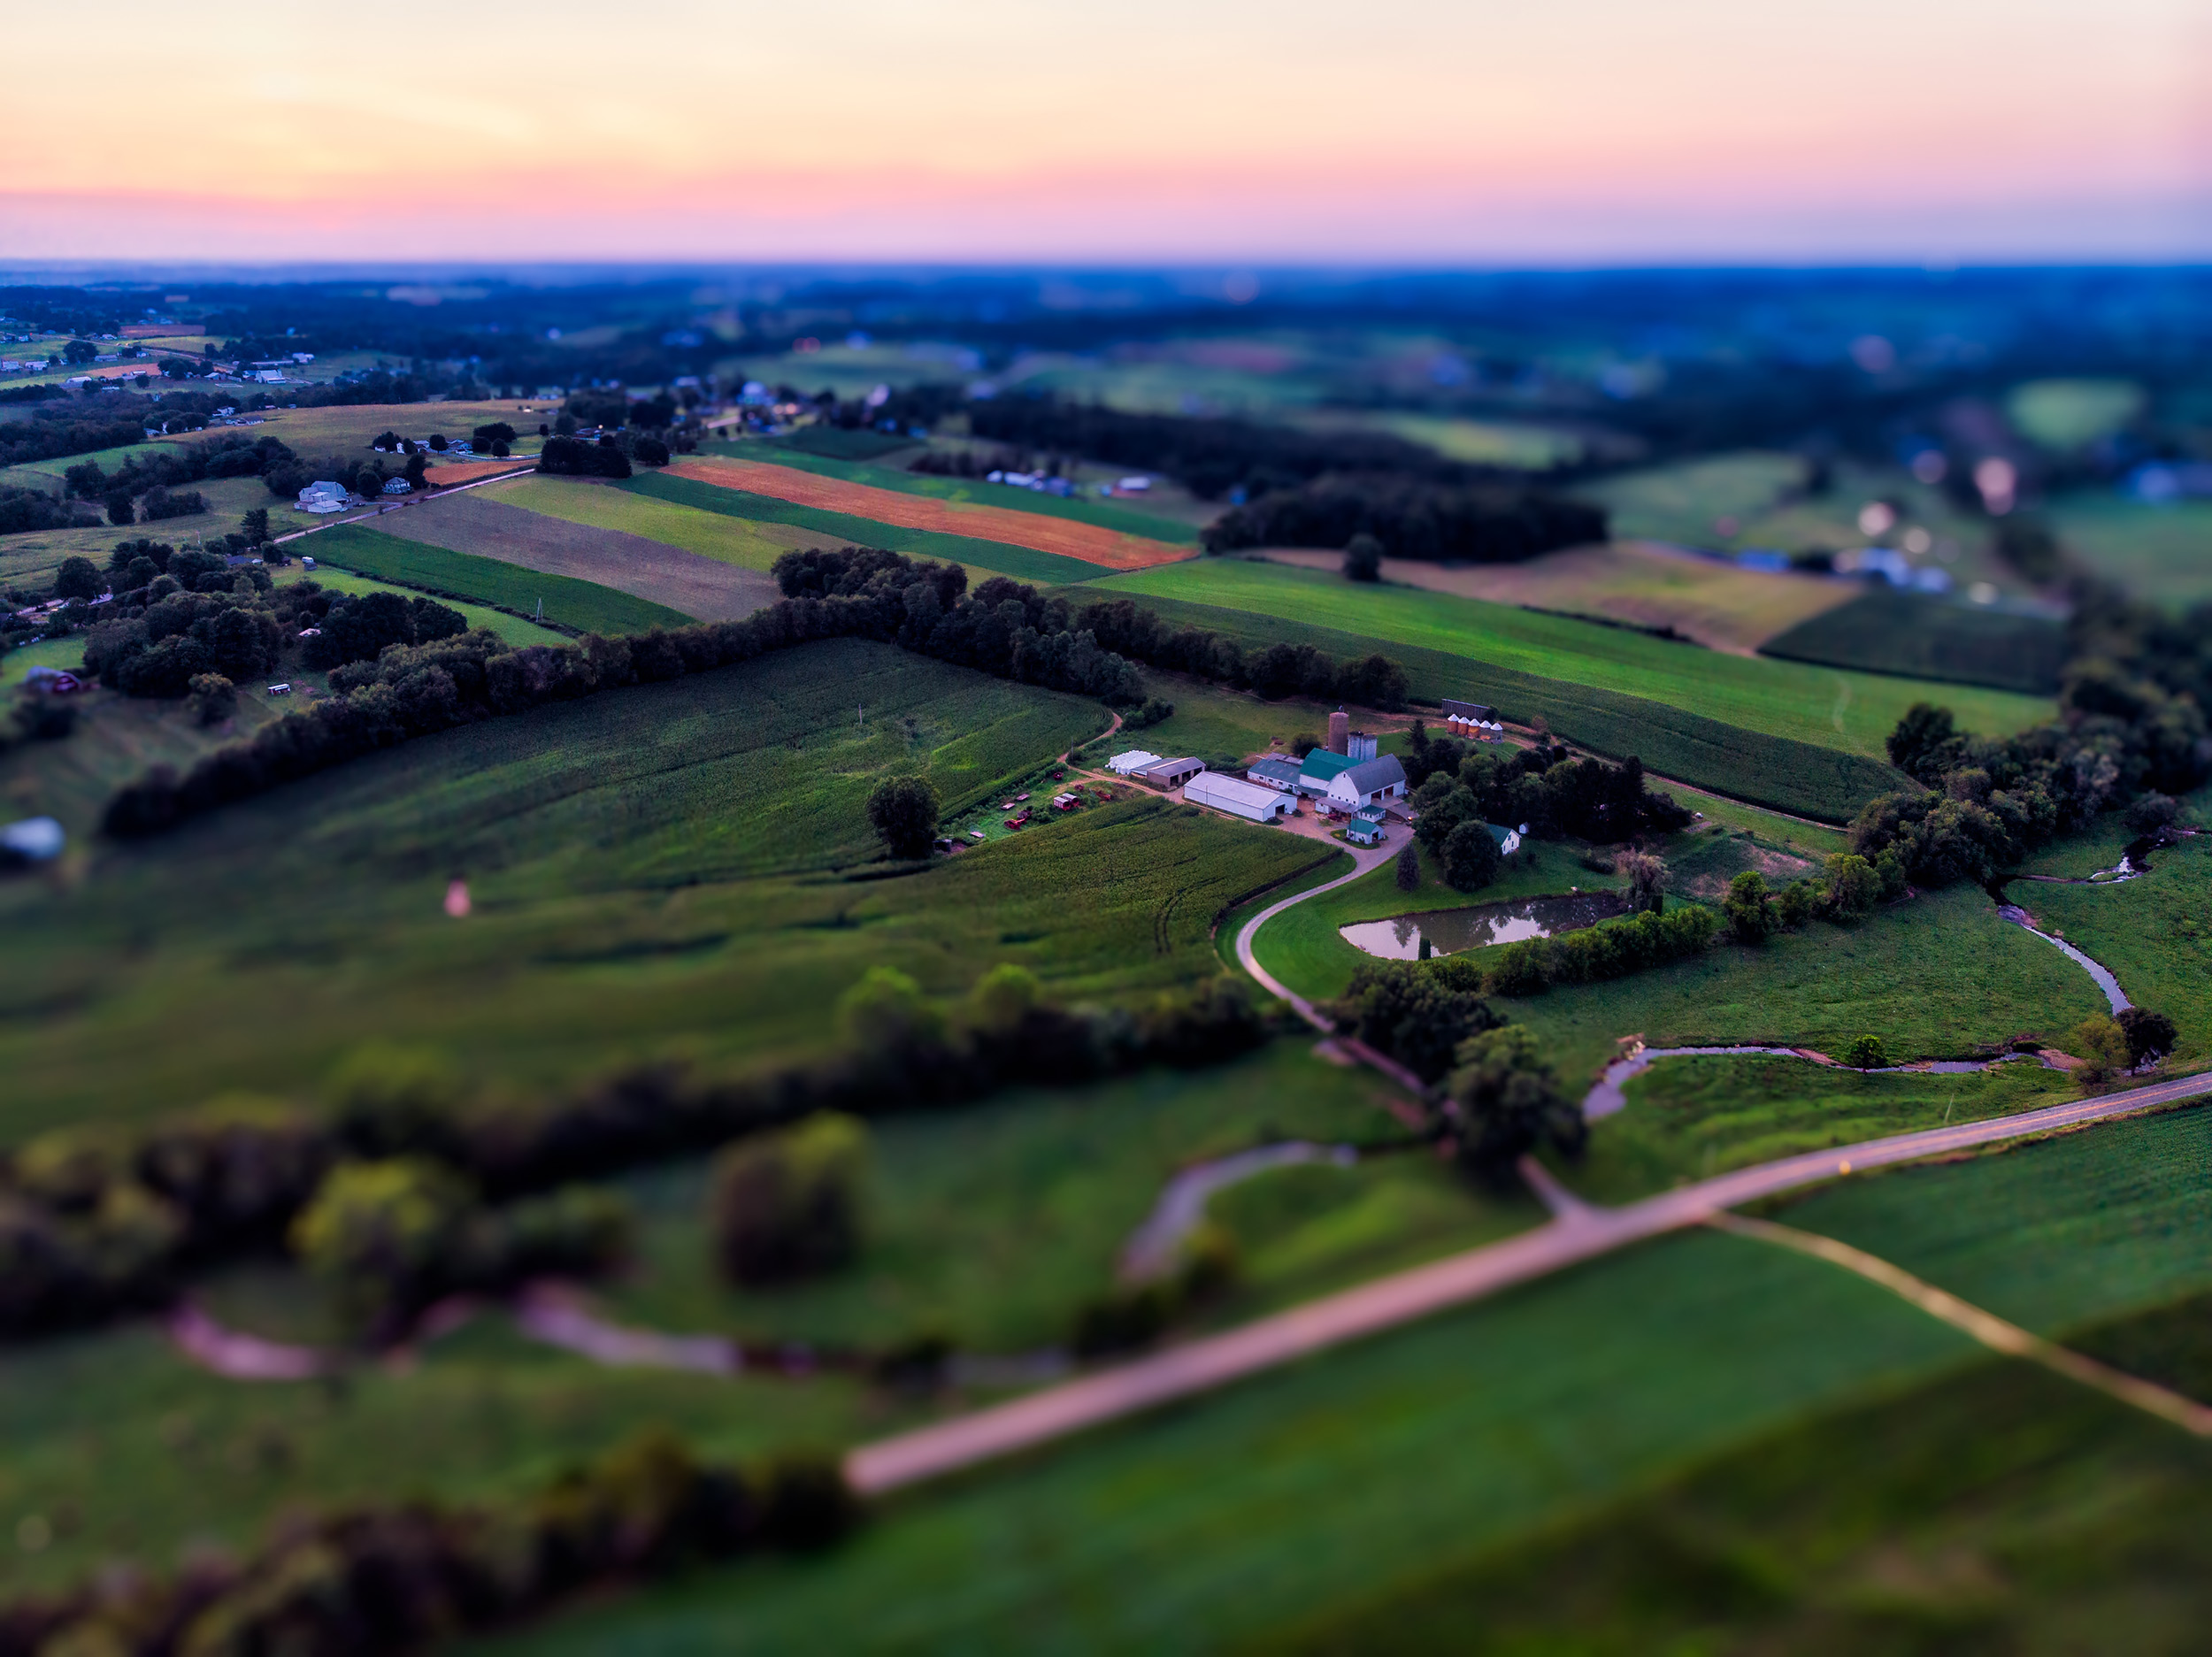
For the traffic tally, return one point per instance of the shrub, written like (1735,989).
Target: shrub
(1471,857)
(2149,1035)
(1867,1053)
(788,1204)
(1646,878)
(78,577)
(1363,558)
(2102,1047)
(1409,867)
(1749,909)
(214,698)
(1854,886)
(1417,1013)
(385,1235)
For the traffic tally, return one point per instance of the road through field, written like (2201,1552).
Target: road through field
(1580,1233)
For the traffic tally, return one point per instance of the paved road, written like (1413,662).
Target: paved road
(1580,1233)
(1363,861)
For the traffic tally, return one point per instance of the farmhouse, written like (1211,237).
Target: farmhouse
(1171,773)
(398,485)
(1274,772)
(323,497)
(1239,798)
(1367,783)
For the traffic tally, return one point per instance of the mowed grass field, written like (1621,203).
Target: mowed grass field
(348,429)
(2159,552)
(1081,539)
(655,873)
(1826,708)
(582,605)
(1716,603)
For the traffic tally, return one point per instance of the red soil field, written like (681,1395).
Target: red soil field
(446,473)
(1109,548)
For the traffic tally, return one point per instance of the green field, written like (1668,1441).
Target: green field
(1681,503)
(1022,563)
(512,628)
(710,535)
(2153,934)
(1104,514)
(584,606)
(2068,414)
(1823,783)
(655,872)
(1888,632)
(2160,552)
(1853,712)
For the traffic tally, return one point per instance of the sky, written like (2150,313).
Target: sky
(1449,132)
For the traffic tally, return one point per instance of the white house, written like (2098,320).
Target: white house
(398,485)
(322,497)
(1251,801)
(1367,783)
(1136,760)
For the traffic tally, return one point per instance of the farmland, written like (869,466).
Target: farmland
(512,628)
(654,870)
(1718,604)
(584,606)
(1023,564)
(750,545)
(2158,551)
(1852,712)
(1087,541)
(1823,783)
(659,580)
(1886,631)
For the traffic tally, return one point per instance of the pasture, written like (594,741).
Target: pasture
(1912,636)
(1849,711)
(842,529)
(646,579)
(350,429)
(2156,552)
(677,870)
(1081,539)
(582,606)
(1643,584)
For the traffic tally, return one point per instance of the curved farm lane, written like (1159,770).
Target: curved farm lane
(1581,1233)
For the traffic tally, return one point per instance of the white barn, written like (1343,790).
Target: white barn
(1369,783)
(1254,802)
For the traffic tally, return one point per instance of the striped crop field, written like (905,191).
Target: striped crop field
(1091,543)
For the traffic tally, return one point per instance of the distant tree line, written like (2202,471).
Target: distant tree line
(375,1577)
(1278,670)
(1410,518)
(51,434)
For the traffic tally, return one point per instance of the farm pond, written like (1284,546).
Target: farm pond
(1450,931)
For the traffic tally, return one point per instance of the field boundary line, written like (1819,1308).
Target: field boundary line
(1369,1309)
(1985,1327)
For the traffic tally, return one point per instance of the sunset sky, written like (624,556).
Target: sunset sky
(1579,131)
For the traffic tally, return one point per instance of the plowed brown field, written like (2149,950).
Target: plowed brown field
(1109,548)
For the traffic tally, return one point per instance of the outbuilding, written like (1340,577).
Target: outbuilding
(1274,773)
(1367,783)
(1250,800)
(1171,773)
(1129,764)
(1365,826)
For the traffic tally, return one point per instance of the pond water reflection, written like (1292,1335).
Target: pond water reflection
(1451,931)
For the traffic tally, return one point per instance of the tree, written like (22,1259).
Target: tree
(788,1204)
(650,451)
(2102,1047)
(2146,815)
(1750,909)
(418,469)
(1646,878)
(1470,855)
(437,442)
(2149,1035)
(1855,885)
(254,526)
(1509,1103)
(383,1234)
(1362,559)
(79,351)
(903,810)
(214,698)
(78,577)
(1867,1053)
(1921,741)
(1409,867)
(120,512)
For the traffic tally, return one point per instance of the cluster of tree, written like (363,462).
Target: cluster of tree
(1209,457)
(572,458)
(1611,949)
(788,1204)
(1410,518)
(2108,1046)
(1417,1012)
(402,1578)
(1280,670)
(965,462)
(1541,786)
(359,627)
(1502,1102)
(183,614)
(176,466)
(1846,889)
(22,510)
(68,429)
(395,1235)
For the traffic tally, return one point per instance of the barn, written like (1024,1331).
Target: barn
(1254,802)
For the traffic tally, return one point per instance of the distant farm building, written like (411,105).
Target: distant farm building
(1171,773)
(398,485)
(1367,783)
(1274,773)
(1247,799)
(323,497)
(1132,762)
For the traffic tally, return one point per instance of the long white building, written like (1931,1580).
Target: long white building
(1239,798)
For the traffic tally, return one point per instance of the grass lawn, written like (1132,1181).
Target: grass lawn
(1221,1518)
(711,534)
(514,629)
(656,872)
(2153,934)
(991,1224)
(1825,707)
(583,605)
